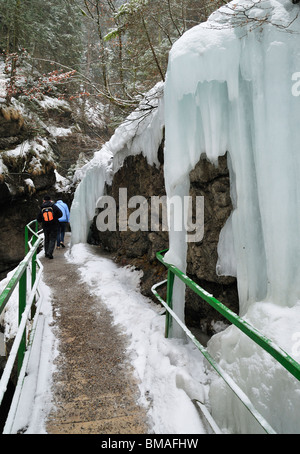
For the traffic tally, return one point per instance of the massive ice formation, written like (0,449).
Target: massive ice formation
(232,85)
(230,88)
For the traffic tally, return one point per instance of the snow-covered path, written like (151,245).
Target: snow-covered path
(169,372)
(93,389)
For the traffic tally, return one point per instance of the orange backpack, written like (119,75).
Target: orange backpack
(48,214)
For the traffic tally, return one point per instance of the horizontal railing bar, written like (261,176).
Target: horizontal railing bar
(233,386)
(207,416)
(268,345)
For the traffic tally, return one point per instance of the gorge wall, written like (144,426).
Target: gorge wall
(20,183)
(139,248)
(54,142)
(39,144)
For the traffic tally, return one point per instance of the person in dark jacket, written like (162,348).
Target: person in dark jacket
(48,215)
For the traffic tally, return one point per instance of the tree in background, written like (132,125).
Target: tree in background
(39,36)
(119,49)
(48,30)
(128,43)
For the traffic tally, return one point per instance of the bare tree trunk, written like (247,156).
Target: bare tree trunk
(152,50)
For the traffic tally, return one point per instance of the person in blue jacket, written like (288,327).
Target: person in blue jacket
(63,222)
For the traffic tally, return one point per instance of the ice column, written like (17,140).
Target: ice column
(235,88)
(230,89)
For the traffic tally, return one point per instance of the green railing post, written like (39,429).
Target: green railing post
(33,267)
(26,239)
(22,305)
(170,284)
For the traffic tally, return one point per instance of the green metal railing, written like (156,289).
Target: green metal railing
(268,345)
(27,295)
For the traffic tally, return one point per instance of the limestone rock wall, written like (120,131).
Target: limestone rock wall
(139,248)
(36,140)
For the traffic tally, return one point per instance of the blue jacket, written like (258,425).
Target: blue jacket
(65,211)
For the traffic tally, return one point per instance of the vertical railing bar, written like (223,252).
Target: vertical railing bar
(170,285)
(22,305)
(26,240)
(33,266)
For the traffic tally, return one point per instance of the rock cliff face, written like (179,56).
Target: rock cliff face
(32,150)
(36,142)
(129,247)
(139,248)
(213,184)
(21,179)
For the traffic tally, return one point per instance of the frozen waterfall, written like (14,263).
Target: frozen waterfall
(231,86)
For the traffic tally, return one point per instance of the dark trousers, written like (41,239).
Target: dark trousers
(61,232)
(49,240)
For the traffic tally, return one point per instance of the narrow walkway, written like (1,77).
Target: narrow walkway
(94,388)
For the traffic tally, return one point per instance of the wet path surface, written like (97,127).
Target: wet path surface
(94,389)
